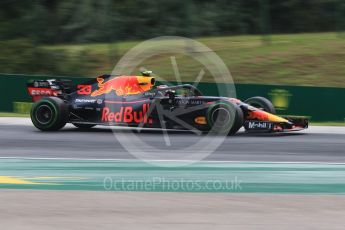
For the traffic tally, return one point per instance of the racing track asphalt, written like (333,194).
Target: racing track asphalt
(100,143)
(42,209)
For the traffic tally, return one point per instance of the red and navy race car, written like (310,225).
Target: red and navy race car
(134,101)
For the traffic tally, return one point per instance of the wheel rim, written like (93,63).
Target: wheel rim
(220,117)
(44,114)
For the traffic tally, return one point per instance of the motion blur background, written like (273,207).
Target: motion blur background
(86,38)
(262,42)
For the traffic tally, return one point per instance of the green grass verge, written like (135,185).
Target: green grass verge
(327,123)
(315,59)
(2,114)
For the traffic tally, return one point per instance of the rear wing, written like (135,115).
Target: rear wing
(38,89)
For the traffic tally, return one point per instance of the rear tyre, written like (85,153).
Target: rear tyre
(83,126)
(49,114)
(224,118)
(261,103)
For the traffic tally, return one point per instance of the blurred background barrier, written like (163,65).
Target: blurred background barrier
(14,95)
(318,103)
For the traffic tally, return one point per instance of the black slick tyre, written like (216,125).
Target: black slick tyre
(49,114)
(222,118)
(261,103)
(239,120)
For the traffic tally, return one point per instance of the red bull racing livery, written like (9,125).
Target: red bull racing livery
(135,101)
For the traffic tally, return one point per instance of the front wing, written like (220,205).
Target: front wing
(293,124)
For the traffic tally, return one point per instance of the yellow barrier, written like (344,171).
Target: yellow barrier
(22,107)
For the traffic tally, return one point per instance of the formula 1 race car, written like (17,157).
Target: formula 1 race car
(134,101)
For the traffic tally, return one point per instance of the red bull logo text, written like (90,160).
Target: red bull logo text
(127,115)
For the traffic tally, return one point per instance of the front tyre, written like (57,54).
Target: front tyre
(49,114)
(239,120)
(221,117)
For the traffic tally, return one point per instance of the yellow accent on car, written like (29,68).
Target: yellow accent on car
(146,83)
(200,120)
(274,118)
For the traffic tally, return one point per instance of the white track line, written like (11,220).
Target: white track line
(171,161)
(15,121)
